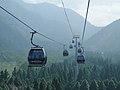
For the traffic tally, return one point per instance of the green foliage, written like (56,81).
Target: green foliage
(94,85)
(56,84)
(48,87)
(68,86)
(84,85)
(36,85)
(62,76)
(76,86)
(17,82)
(42,85)
(111,85)
(28,88)
(11,81)
(102,86)
(118,86)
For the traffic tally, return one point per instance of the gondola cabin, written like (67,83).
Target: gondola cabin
(37,57)
(75,45)
(70,47)
(78,43)
(65,53)
(80,59)
(73,41)
(79,50)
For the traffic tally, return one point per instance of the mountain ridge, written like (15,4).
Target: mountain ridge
(106,40)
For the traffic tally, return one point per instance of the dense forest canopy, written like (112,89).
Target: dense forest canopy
(96,74)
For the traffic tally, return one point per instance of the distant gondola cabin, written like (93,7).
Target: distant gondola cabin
(80,59)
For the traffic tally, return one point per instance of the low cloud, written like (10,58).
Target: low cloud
(101,15)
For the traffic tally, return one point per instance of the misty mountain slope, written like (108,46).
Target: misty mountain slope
(52,12)
(50,18)
(107,40)
(10,37)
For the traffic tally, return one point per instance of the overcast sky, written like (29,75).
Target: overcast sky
(101,13)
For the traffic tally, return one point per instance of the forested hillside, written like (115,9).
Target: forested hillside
(96,74)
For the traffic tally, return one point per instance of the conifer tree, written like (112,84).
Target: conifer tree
(94,85)
(2,78)
(11,81)
(17,82)
(115,80)
(111,85)
(49,87)
(6,74)
(118,86)
(106,82)
(76,86)
(68,86)
(56,84)
(102,86)
(36,85)
(42,85)
(1,88)
(28,88)
(84,85)
(94,73)
(14,73)
(80,75)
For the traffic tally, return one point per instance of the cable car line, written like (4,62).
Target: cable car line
(85,22)
(29,26)
(67,17)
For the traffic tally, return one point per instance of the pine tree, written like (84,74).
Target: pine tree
(111,85)
(14,73)
(68,86)
(1,75)
(28,88)
(17,82)
(105,72)
(19,74)
(1,88)
(6,74)
(106,82)
(5,87)
(11,81)
(102,86)
(36,85)
(42,85)
(2,78)
(56,84)
(115,80)
(71,75)
(24,75)
(94,85)
(84,85)
(49,87)
(80,75)
(94,73)
(76,86)
(118,86)
(65,76)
